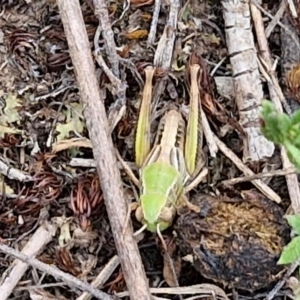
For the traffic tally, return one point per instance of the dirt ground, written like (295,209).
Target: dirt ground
(51,201)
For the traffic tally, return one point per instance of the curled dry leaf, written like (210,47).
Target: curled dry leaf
(45,189)
(71,143)
(137,34)
(65,261)
(140,3)
(293,81)
(85,197)
(168,269)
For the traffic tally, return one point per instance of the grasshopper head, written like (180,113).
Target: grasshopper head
(153,212)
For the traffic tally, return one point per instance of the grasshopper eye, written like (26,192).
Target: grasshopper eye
(166,214)
(139,214)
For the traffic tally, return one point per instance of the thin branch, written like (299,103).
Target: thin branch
(278,98)
(260,176)
(103,149)
(13,173)
(266,190)
(37,242)
(102,277)
(67,278)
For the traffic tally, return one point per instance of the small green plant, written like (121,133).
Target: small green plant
(282,129)
(285,130)
(291,252)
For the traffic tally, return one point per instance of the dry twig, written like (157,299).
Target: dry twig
(152,33)
(37,242)
(259,176)
(246,78)
(102,277)
(118,108)
(267,191)
(67,278)
(13,173)
(277,97)
(103,149)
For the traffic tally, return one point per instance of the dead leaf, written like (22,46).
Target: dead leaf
(10,115)
(71,143)
(40,294)
(5,189)
(293,81)
(168,273)
(74,121)
(137,34)
(140,3)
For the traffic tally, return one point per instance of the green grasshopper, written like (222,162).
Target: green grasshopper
(171,166)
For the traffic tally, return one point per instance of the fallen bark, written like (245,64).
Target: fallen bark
(246,78)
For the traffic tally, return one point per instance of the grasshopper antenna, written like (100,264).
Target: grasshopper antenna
(140,230)
(171,262)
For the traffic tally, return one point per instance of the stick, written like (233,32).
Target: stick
(267,191)
(102,277)
(118,107)
(277,98)
(152,33)
(103,149)
(260,176)
(13,173)
(37,242)
(67,278)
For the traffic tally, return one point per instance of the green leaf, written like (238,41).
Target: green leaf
(291,252)
(294,222)
(293,153)
(295,117)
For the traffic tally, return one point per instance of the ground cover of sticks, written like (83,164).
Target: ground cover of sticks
(71,82)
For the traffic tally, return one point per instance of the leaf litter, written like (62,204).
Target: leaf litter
(39,99)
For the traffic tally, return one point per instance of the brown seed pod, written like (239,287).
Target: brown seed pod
(235,242)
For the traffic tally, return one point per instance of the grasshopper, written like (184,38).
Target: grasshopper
(170,167)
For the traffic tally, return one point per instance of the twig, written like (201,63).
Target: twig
(267,191)
(280,284)
(103,149)
(155,15)
(280,12)
(212,146)
(53,271)
(164,50)
(289,32)
(37,242)
(118,107)
(200,289)
(292,8)
(101,12)
(13,173)
(102,277)
(259,176)
(277,97)
(90,163)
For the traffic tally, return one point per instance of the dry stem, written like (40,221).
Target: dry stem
(37,242)
(103,149)
(67,278)
(102,277)
(266,190)
(13,173)
(277,97)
